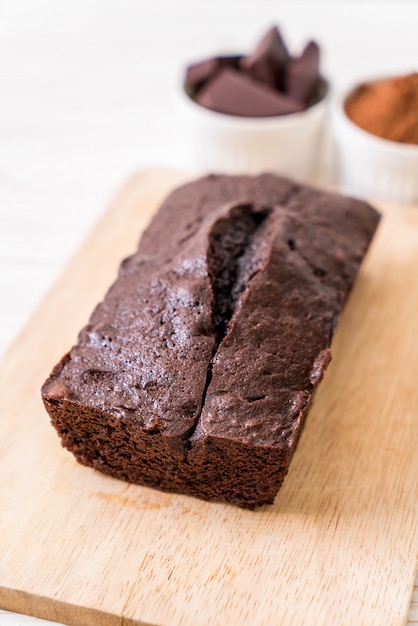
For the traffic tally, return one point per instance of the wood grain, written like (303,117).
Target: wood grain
(338,546)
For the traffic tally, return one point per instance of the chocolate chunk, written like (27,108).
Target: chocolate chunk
(302,74)
(291,84)
(234,93)
(199,73)
(319,366)
(267,62)
(57,393)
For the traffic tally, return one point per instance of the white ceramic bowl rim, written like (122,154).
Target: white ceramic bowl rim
(379,142)
(238,121)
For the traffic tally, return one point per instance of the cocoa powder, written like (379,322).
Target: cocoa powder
(387,108)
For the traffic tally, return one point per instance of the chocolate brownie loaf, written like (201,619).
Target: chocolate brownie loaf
(196,372)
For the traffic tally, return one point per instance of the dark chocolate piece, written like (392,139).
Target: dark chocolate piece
(291,84)
(195,373)
(199,73)
(302,74)
(269,59)
(234,93)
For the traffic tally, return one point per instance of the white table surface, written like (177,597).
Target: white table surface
(85,100)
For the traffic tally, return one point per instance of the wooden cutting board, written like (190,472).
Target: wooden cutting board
(338,546)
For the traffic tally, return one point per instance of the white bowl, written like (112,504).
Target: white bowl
(370,166)
(286,144)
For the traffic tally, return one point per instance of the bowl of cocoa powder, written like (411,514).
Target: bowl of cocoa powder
(375,129)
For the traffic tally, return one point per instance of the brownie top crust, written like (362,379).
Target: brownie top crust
(220,323)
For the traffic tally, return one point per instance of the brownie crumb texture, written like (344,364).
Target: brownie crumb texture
(196,372)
